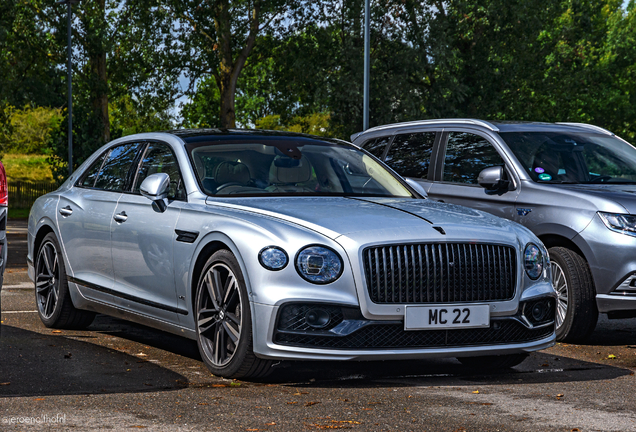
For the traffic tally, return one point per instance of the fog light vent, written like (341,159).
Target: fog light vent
(539,311)
(628,286)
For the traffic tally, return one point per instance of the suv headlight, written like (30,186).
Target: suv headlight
(318,264)
(622,223)
(533,261)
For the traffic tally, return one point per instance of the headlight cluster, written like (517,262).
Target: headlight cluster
(533,261)
(315,264)
(622,223)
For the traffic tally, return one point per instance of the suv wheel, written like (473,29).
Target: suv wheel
(576,306)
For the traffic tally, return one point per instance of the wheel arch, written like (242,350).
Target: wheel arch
(554,240)
(39,236)
(211,243)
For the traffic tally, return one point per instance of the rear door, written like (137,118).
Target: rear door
(84,216)
(463,155)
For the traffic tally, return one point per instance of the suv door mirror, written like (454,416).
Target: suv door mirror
(493,180)
(417,187)
(155,187)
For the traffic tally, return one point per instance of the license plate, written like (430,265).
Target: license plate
(446,316)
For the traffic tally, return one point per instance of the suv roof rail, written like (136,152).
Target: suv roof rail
(482,123)
(587,126)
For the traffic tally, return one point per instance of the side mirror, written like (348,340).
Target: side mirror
(155,187)
(492,179)
(417,187)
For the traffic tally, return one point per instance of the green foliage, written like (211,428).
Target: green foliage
(34,168)
(31,129)
(128,117)
(314,124)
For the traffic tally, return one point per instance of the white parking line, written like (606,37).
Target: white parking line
(16,312)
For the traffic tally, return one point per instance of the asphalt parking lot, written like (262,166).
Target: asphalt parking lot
(118,375)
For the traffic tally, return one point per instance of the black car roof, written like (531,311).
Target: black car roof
(213,134)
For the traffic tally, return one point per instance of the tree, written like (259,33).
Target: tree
(215,39)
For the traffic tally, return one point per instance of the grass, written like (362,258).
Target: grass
(21,167)
(18,213)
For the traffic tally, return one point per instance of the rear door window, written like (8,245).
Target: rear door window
(115,171)
(377,146)
(410,154)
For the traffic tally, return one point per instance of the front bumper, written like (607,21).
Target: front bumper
(352,337)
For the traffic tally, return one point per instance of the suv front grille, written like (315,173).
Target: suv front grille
(440,273)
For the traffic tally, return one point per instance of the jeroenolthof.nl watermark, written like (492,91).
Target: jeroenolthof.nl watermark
(34,420)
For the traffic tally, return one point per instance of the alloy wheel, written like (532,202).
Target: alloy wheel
(560,284)
(47,280)
(219,314)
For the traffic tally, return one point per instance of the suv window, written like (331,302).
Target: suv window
(376,146)
(410,154)
(159,158)
(467,155)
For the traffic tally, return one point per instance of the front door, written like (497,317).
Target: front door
(466,155)
(143,239)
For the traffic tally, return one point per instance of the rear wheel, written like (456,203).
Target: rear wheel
(52,296)
(493,362)
(224,321)
(577,313)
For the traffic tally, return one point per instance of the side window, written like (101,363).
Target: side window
(376,146)
(115,169)
(160,159)
(410,154)
(91,174)
(467,155)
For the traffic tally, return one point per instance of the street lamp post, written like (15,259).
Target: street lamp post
(367,64)
(69,69)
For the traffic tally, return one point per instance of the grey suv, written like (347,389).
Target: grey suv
(573,185)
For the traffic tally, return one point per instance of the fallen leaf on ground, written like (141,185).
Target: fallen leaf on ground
(5,383)
(476,392)
(38,399)
(291,403)
(220,385)
(611,357)
(311,403)
(141,354)
(271,424)
(56,331)
(560,395)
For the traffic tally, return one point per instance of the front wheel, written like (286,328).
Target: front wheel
(224,321)
(493,362)
(52,297)
(576,304)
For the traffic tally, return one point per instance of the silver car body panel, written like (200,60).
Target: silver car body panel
(164,278)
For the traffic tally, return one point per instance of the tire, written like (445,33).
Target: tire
(494,362)
(224,320)
(52,296)
(577,313)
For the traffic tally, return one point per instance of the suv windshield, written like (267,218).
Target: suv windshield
(556,157)
(290,166)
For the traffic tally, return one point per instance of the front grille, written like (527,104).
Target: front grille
(382,336)
(440,273)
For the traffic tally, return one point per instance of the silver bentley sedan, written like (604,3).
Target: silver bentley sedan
(264,246)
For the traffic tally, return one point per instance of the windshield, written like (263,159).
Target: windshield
(290,166)
(556,157)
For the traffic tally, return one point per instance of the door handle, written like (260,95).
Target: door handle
(121,217)
(66,211)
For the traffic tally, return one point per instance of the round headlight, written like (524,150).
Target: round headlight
(318,264)
(533,261)
(273,258)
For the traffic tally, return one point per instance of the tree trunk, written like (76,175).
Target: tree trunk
(229,67)
(100,98)
(97,64)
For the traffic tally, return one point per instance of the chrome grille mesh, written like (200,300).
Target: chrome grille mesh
(440,273)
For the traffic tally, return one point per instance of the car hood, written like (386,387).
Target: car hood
(379,219)
(624,195)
